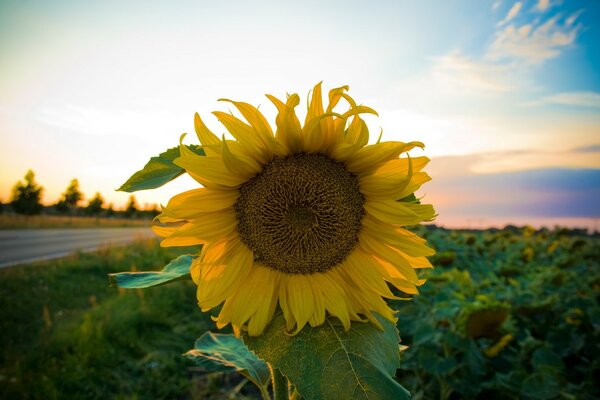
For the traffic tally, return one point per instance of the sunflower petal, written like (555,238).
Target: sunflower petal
(371,157)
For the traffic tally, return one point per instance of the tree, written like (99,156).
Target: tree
(70,197)
(132,206)
(94,206)
(26,196)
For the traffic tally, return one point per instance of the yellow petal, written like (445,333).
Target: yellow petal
(193,203)
(354,270)
(289,131)
(246,135)
(333,297)
(392,212)
(396,237)
(209,226)
(371,157)
(415,183)
(254,118)
(300,300)
(315,108)
(236,162)
(389,254)
(209,171)
(210,142)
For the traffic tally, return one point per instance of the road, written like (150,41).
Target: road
(28,245)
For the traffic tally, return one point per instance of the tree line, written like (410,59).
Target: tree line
(27,195)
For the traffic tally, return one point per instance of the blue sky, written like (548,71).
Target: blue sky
(92,90)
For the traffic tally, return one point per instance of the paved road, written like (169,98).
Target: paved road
(29,245)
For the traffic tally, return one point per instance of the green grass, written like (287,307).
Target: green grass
(66,334)
(14,221)
(510,314)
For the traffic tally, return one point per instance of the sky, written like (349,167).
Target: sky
(505,95)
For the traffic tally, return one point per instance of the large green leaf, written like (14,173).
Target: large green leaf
(219,352)
(177,269)
(328,363)
(158,171)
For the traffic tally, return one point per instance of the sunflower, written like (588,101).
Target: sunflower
(310,217)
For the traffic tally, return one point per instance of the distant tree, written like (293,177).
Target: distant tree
(94,206)
(70,197)
(153,210)
(26,196)
(132,207)
(110,210)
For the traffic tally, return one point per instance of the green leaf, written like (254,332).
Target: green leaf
(328,363)
(177,269)
(226,353)
(158,171)
(411,198)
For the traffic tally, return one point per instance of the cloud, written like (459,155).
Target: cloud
(534,42)
(514,10)
(463,73)
(95,121)
(582,99)
(496,5)
(594,148)
(514,161)
(543,5)
(552,192)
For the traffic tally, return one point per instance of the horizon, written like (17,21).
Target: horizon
(506,96)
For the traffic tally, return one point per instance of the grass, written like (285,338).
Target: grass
(13,221)
(66,334)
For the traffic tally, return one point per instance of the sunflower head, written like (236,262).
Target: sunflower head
(309,218)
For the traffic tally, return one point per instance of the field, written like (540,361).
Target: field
(15,221)
(505,314)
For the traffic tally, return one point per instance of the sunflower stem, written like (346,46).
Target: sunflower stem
(280,384)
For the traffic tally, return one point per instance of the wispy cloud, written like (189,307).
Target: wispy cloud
(514,10)
(463,73)
(96,121)
(594,148)
(515,160)
(543,5)
(534,42)
(582,99)
(514,52)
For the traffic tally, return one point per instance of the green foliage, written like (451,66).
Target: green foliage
(70,198)
(26,196)
(218,352)
(177,269)
(511,314)
(66,334)
(328,363)
(131,208)
(73,194)
(158,171)
(94,206)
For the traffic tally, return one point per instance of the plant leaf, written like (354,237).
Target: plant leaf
(177,269)
(328,363)
(158,171)
(219,352)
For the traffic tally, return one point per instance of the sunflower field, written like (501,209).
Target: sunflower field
(507,313)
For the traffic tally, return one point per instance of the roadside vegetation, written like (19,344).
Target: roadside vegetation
(15,221)
(505,314)
(66,333)
(25,210)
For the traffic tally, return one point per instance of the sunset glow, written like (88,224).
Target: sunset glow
(505,95)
